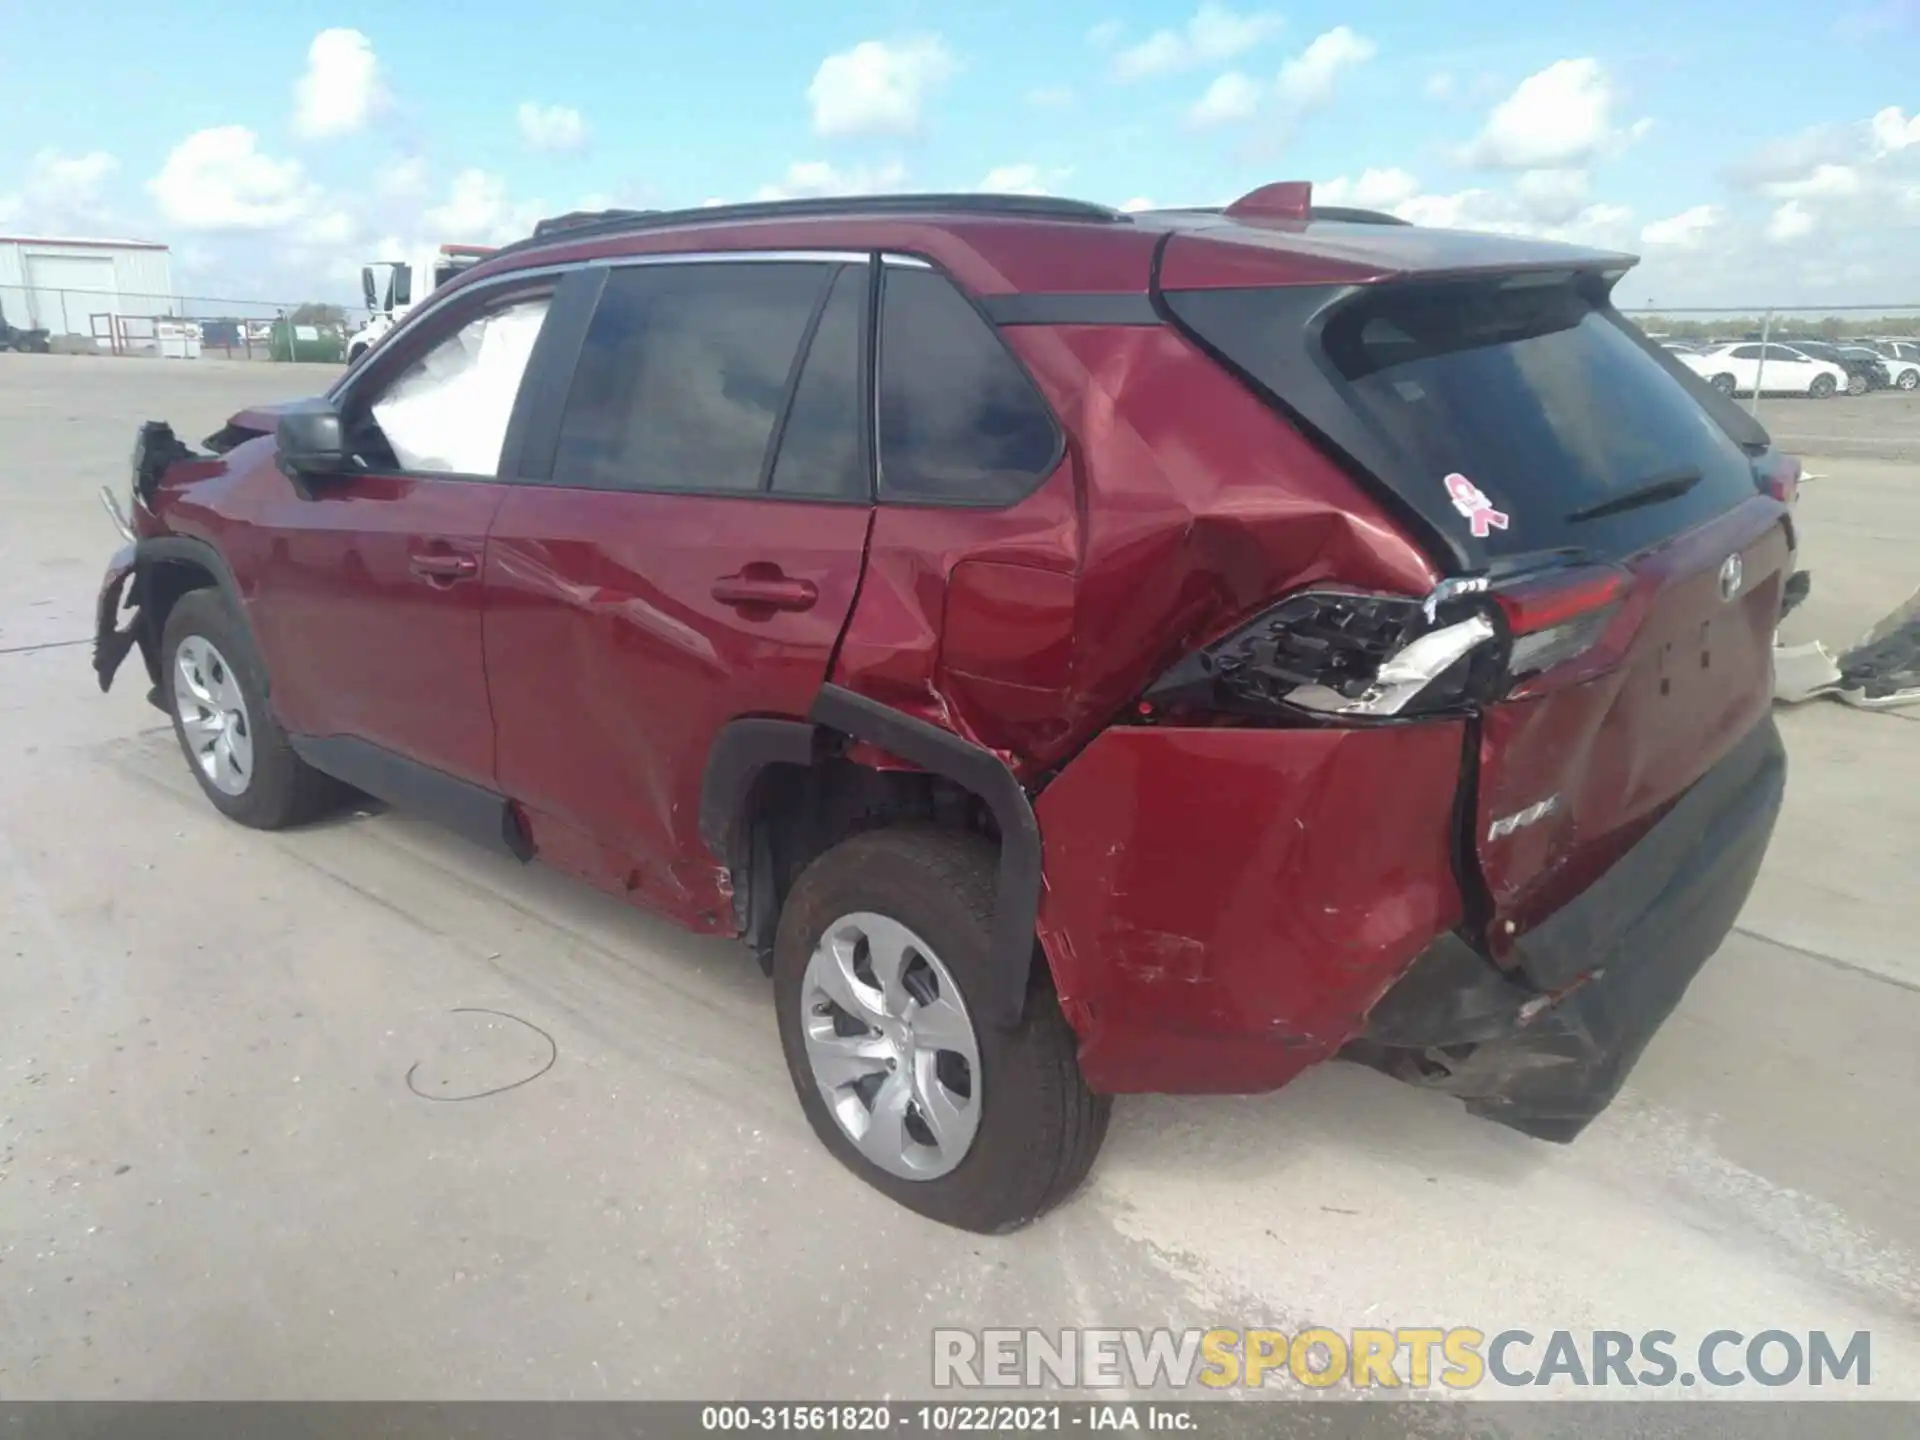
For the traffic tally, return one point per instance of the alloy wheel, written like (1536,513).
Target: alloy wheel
(213,715)
(891,1046)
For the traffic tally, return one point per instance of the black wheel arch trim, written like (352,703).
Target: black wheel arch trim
(1017,892)
(186,550)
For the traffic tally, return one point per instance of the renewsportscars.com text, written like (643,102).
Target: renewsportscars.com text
(1415,1358)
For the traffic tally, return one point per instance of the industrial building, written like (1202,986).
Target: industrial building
(85,287)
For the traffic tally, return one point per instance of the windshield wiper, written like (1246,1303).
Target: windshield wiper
(1669,486)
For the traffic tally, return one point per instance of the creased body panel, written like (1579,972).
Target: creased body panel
(1224,906)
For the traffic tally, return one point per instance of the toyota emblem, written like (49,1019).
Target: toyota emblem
(1732,573)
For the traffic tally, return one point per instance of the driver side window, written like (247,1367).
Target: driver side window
(446,412)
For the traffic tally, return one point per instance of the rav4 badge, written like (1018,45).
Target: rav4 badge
(1471,501)
(1507,824)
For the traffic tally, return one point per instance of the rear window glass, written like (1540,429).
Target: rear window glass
(960,421)
(1540,400)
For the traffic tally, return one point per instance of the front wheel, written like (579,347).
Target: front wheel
(880,967)
(1822,387)
(1723,382)
(217,695)
(1856,384)
(1909,380)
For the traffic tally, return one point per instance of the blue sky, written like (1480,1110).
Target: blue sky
(1767,151)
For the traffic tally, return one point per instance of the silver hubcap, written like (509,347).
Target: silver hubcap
(213,715)
(892,1046)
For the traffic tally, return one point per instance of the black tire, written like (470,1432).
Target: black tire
(1822,387)
(1857,384)
(1909,380)
(1723,382)
(282,789)
(1040,1127)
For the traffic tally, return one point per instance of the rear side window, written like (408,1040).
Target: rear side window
(1544,403)
(960,421)
(820,451)
(683,374)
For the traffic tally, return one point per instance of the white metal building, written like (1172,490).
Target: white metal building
(71,287)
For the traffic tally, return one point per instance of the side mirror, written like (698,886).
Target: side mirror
(312,443)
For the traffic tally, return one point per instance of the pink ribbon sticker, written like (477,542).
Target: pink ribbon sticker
(1471,501)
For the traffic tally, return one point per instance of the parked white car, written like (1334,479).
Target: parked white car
(1735,369)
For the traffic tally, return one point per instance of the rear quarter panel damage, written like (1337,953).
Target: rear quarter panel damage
(1224,906)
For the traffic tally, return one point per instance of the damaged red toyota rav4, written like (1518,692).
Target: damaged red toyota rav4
(1079,653)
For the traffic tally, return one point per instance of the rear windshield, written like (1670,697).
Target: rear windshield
(1539,399)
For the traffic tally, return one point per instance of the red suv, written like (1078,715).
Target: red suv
(1079,653)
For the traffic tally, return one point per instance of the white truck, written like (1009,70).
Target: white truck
(393,287)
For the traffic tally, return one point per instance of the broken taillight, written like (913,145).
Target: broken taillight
(1333,654)
(1779,476)
(1557,616)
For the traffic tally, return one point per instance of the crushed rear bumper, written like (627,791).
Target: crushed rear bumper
(1545,1048)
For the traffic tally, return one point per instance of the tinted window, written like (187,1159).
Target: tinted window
(820,451)
(1539,399)
(682,375)
(447,412)
(1746,352)
(960,422)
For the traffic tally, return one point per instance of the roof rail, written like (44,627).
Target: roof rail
(583,224)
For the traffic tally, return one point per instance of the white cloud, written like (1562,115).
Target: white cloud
(878,87)
(60,192)
(1136,204)
(1792,221)
(1230,98)
(405,179)
(1691,229)
(816,177)
(1823,182)
(553,128)
(1441,85)
(1212,34)
(1374,190)
(478,211)
(1553,196)
(219,179)
(1022,179)
(1307,80)
(1894,130)
(341,89)
(1557,118)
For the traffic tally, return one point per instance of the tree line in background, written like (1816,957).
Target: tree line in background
(1833,327)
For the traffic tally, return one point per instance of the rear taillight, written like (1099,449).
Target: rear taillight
(1778,476)
(1559,615)
(1334,654)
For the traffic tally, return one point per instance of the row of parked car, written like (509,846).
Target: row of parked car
(1817,368)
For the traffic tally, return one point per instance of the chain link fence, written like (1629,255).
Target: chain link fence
(170,327)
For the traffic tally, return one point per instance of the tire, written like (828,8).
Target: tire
(1037,1127)
(274,787)
(1723,382)
(1909,380)
(1821,387)
(1857,385)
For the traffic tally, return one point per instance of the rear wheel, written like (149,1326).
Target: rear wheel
(880,966)
(1723,383)
(1822,387)
(217,695)
(1856,384)
(1909,380)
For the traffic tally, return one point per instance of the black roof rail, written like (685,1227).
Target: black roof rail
(584,224)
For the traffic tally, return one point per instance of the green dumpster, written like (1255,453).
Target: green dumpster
(321,344)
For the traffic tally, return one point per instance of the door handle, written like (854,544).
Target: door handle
(443,567)
(765,588)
